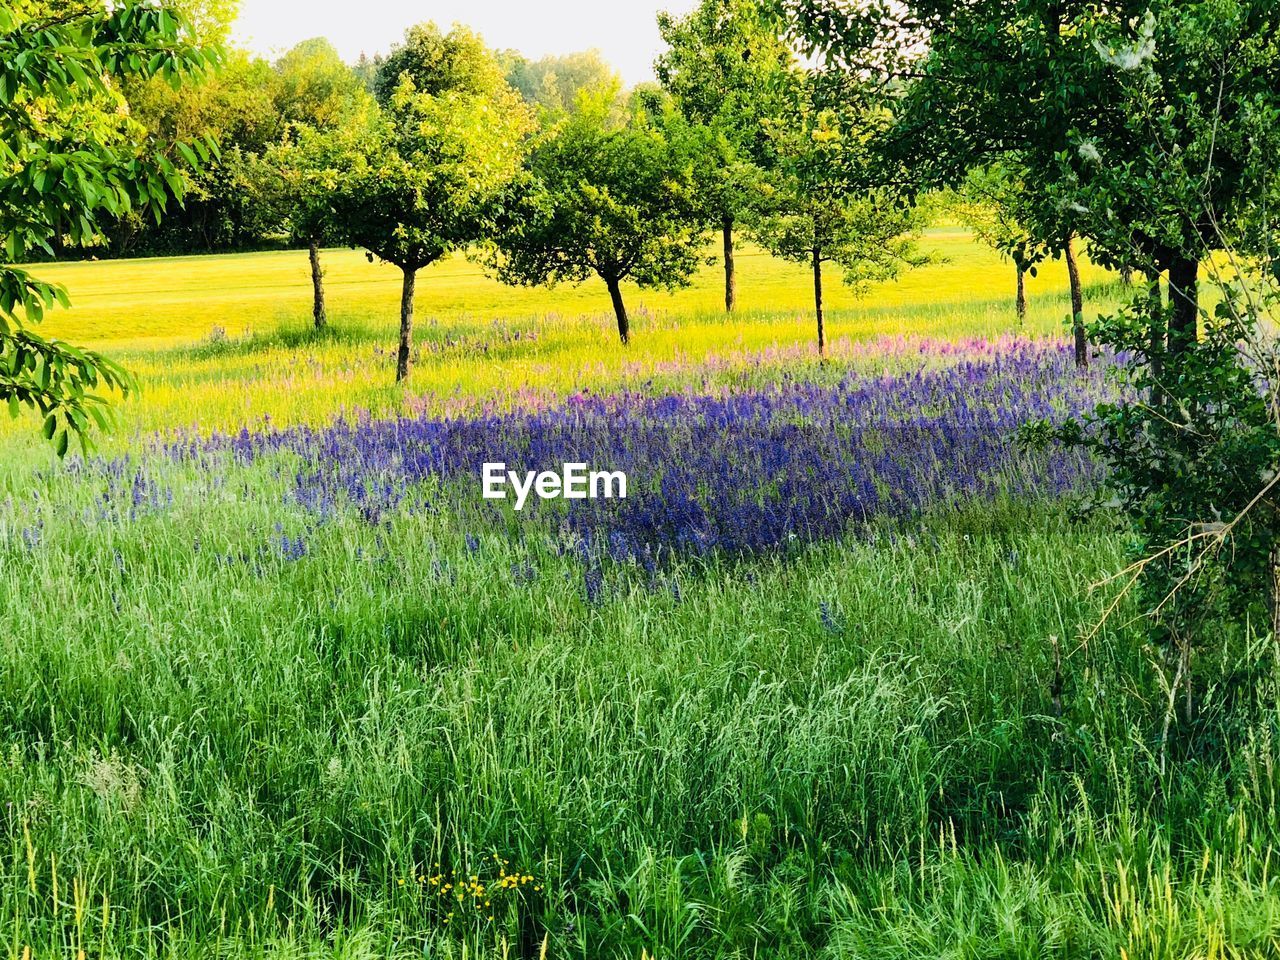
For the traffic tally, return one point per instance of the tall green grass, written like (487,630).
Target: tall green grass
(851,750)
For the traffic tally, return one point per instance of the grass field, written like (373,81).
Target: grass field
(224,341)
(818,689)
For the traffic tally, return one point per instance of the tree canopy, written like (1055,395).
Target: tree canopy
(438,63)
(556,85)
(1147,126)
(433,165)
(617,202)
(729,70)
(313,85)
(70,154)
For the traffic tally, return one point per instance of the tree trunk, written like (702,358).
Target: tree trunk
(406,322)
(1184,303)
(1155,308)
(317,284)
(817,301)
(619,310)
(1077,303)
(1126,275)
(730,276)
(1022,295)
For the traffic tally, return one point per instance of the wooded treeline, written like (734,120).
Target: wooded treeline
(249,106)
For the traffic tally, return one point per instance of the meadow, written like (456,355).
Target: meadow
(277,681)
(223,341)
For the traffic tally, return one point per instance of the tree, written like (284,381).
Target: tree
(993,203)
(979,99)
(1185,165)
(727,67)
(614,202)
(313,86)
(69,155)
(437,63)
(327,107)
(984,81)
(1181,178)
(831,203)
(300,175)
(434,163)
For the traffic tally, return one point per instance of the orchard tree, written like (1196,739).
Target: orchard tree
(1000,82)
(301,174)
(70,154)
(984,81)
(992,202)
(728,68)
(329,110)
(831,202)
(1185,166)
(428,174)
(618,203)
(1126,115)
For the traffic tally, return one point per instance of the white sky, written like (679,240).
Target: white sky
(623,30)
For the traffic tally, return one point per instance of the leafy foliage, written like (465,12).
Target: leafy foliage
(249,106)
(69,155)
(1184,162)
(1192,452)
(556,85)
(829,202)
(437,63)
(432,167)
(615,202)
(314,86)
(730,71)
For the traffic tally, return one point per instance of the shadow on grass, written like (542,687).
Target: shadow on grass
(218,345)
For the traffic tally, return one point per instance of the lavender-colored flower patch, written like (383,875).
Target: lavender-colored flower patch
(741,472)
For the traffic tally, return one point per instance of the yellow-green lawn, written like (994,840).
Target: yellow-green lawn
(220,342)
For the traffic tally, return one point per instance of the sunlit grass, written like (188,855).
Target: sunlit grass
(223,341)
